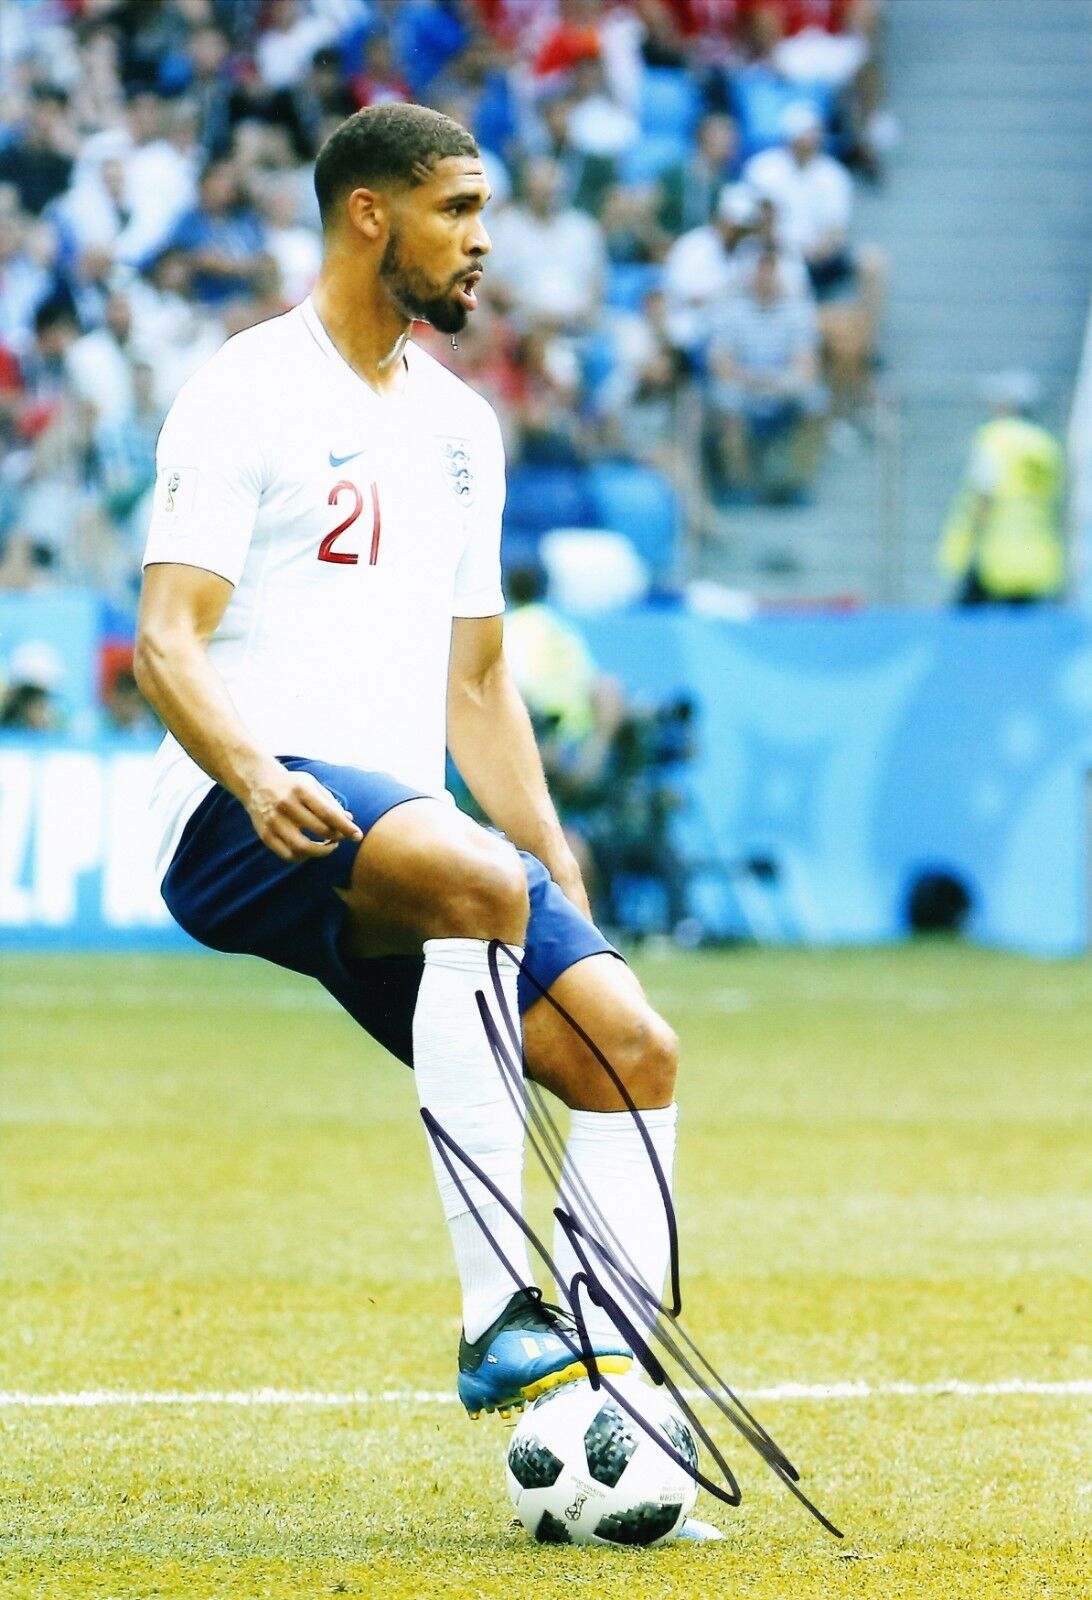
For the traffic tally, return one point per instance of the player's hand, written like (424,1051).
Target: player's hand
(295,816)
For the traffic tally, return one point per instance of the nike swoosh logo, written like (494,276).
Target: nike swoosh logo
(339,461)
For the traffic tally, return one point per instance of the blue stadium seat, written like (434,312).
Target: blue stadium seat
(598,356)
(629,281)
(520,550)
(670,102)
(651,157)
(545,497)
(639,502)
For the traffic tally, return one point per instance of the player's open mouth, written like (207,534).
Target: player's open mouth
(465,290)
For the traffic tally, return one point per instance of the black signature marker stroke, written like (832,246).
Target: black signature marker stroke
(546,1141)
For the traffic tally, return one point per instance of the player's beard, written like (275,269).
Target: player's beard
(416,295)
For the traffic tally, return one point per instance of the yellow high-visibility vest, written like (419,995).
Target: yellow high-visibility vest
(1019,550)
(552,667)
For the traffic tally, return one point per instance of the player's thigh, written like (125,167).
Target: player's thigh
(426,871)
(596,1012)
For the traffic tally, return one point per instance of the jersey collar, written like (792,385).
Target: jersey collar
(314,325)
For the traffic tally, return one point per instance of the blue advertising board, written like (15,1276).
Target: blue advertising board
(854,752)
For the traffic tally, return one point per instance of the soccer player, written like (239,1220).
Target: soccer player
(321,615)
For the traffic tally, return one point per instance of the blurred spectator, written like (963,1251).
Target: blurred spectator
(548,262)
(574,37)
(287,44)
(812,196)
(189,213)
(125,709)
(266,299)
(759,92)
(159,156)
(43,365)
(223,235)
(543,399)
(708,265)
(296,250)
(211,85)
(549,660)
(27,253)
(765,395)
(29,708)
(100,364)
(631,229)
(585,177)
(124,445)
(29,704)
(39,160)
(637,401)
(379,81)
(689,191)
(479,76)
(426,36)
(94,209)
(610,765)
(598,125)
(324,92)
(168,321)
(1003,541)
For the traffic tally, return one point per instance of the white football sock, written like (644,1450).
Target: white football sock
(607,1153)
(461,1083)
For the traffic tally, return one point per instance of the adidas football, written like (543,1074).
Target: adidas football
(580,1470)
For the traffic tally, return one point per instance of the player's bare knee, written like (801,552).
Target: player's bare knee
(485,894)
(648,1060)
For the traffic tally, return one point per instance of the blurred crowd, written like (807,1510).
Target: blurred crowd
(674,290)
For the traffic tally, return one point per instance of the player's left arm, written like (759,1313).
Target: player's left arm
(493,745)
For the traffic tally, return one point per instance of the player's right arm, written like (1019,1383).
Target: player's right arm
(180,609)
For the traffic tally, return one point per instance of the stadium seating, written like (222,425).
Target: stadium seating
(628,282)
(652,156)
(544,497)
(670,102)
(638,501)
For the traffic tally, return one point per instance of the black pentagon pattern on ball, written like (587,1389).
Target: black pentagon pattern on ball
(680,1436)
(610,1440)
(551,1530)
(531,1464)
(640,1525)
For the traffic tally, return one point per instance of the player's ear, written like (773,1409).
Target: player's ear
(368,212)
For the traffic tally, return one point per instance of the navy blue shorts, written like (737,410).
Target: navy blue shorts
(229,891)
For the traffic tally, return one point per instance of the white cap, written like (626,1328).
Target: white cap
(799,121)
(36,662)
(738,203)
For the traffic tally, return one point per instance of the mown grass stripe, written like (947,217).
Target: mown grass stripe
(90,1399)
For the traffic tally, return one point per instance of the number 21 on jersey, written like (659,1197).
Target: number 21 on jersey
(349,558)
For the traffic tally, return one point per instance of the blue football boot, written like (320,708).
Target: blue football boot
(523,1354)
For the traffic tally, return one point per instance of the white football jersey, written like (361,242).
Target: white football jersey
(353,527)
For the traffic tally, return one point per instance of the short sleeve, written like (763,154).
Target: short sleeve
(209,474)
(478,591)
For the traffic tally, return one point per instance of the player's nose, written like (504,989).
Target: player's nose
(479,242)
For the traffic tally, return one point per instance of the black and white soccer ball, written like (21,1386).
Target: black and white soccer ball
(580,1470)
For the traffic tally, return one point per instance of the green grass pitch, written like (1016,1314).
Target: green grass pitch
(211,1184)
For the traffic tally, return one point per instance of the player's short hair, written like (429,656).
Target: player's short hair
(385,147)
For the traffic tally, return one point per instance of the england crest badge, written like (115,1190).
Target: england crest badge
(455,460)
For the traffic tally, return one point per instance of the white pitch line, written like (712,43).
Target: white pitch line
(91,1399)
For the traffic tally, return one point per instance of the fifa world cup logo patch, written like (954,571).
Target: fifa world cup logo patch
(174,497)
(455,459)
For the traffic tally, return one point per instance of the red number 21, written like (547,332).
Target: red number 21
(349,558)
